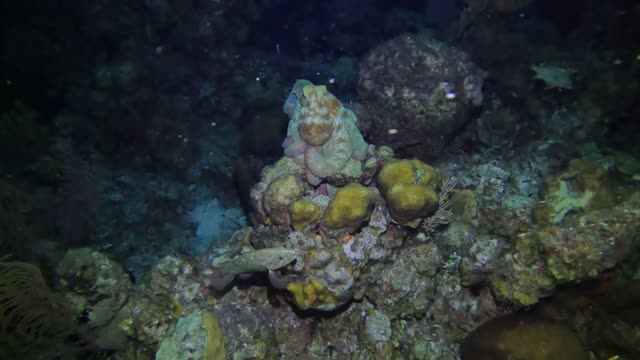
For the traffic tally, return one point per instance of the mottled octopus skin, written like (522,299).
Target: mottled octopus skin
(322,134)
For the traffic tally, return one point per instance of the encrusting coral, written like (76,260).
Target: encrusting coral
(311,294)
(303,212)
(325,199)
(280,193)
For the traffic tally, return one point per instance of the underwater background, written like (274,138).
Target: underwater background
(338,179)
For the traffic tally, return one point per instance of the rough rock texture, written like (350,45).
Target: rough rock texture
(417,92)
(548,256)
(196,336)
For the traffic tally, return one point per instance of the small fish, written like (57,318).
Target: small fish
(278,49)
(261,260)
(554,77)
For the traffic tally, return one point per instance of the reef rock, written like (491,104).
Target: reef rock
(417,92)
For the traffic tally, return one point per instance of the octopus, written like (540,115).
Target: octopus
(322,135)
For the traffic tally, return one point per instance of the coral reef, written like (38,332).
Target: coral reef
(578,234)
(196,336)
(94,285)
(337,228)
(582,186)
(547,256)
(281,192)
(447,164)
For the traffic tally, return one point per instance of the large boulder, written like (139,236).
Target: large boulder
(417,92)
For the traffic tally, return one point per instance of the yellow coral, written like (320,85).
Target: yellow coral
(303,212)
(520,293)
(312,293)
(350,207)
(410,188)
(280,193)
(408,172)
(409,201)
(214,349)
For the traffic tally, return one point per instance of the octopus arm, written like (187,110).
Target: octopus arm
(330,158)
(312,179)
(293,144)
(356,140)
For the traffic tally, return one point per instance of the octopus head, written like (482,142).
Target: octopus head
(317,112)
